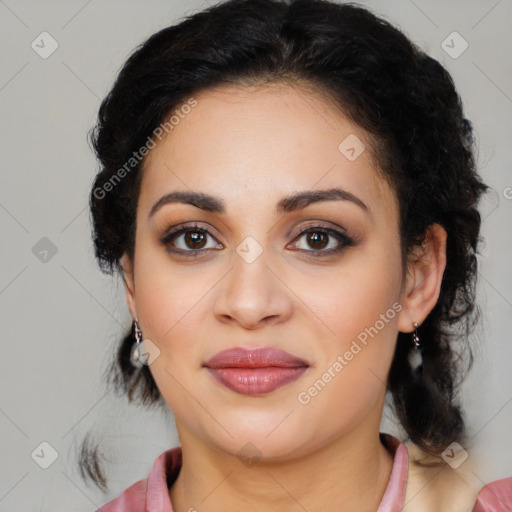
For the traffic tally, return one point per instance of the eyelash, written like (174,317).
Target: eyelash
(344,240)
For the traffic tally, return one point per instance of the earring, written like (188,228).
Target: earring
(135,355)
(138,332)
(415,359)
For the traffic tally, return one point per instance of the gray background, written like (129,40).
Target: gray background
(61,318)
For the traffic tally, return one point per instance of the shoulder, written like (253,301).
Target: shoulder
(152,492)
(132,499)
(446,485)
(495,497)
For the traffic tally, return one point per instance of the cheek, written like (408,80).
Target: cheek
(349,384)
(168,296)
(170,312)
(358,296)
(360,307)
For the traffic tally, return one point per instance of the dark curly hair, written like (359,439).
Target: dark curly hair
(421,143)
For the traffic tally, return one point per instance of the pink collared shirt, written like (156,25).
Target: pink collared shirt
(152,495)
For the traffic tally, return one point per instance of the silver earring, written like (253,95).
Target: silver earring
(135,355)
(138,332)
(415,359)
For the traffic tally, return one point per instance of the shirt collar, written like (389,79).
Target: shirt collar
(168,464)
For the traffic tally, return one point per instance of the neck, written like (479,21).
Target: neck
(350,473)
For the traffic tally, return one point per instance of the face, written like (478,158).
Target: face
(320,280)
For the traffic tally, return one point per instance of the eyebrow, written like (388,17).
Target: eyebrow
(287,204)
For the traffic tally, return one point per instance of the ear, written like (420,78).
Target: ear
(423,279)
(129,284)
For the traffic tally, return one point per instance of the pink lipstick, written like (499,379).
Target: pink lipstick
(255,371)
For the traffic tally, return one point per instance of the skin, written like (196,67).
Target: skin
(250,147)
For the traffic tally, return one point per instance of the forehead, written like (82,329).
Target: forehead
(255,144)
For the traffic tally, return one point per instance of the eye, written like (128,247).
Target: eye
(324,240)
(190,238)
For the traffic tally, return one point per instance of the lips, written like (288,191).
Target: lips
(254,358)
(255,371)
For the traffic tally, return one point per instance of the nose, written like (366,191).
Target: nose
(252,295)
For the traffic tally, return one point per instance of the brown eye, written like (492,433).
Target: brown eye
(189,239)
(323,241)
(194,239)
(317,239)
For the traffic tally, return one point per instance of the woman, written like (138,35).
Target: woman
(289,192)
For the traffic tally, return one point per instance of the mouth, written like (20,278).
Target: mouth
(256,371)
